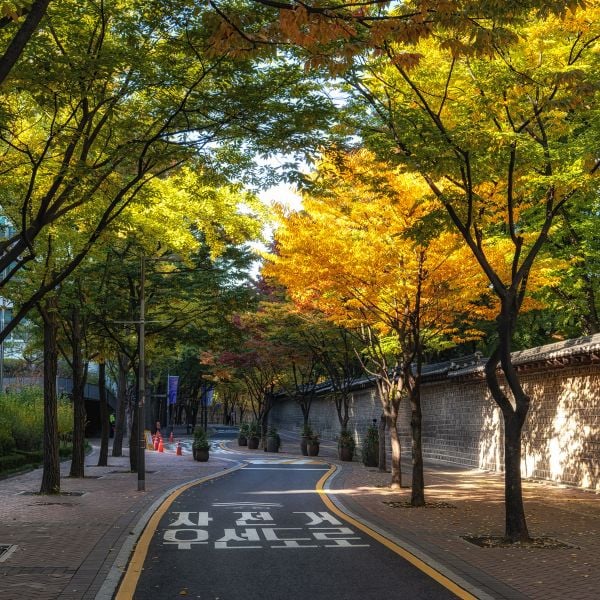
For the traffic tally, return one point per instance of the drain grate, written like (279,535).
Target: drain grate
(6,550)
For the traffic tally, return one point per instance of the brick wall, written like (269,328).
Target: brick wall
(462,424)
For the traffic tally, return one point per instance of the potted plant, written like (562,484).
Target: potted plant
(370,447)
(305,434)
(273,440)
(253,435)
(312,445)
(243,435)
(346,445)
(200,445)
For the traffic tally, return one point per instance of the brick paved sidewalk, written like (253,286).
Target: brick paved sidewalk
(66,545)
(468,502)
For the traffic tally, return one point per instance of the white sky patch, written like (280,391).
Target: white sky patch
(284,194)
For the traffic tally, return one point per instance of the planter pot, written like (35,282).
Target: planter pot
(253,443)
(242,440)
(303,446)
(200,455)
(272,445)
(346,453)
(313,448)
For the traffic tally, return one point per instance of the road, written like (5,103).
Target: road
(264,532)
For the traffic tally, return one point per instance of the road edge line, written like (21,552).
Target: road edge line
(121,582)
(444,576)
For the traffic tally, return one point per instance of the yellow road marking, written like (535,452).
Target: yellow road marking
(136,564)
(411,558)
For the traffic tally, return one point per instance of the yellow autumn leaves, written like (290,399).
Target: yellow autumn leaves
(371,246)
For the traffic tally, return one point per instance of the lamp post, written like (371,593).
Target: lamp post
(141,417)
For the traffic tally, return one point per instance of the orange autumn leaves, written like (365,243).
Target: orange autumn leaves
(371,246)
(362,250)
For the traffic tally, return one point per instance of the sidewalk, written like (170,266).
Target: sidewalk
(67,545)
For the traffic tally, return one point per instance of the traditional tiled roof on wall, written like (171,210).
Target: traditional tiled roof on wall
(577,351)
(583,350)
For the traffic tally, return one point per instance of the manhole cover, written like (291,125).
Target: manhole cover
(6,550)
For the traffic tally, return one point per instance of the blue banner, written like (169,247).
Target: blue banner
(207,395)
(172,383)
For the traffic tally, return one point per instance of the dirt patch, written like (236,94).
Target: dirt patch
(405,504)
(496,541)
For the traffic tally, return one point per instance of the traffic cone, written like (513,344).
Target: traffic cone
(171,439)
(179,452)
(156,442)
(160,445)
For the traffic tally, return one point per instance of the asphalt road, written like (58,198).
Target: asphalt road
(263,532)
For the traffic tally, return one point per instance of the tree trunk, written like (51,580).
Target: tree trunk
(305,413)
(51,471)
(516,525)
(418,481)
(117,449)
(105,423)
(27,28)
(382,444)
(79,414)
(396,450)
(514,418)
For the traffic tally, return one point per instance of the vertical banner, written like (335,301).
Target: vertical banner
(207,394)
(172,383)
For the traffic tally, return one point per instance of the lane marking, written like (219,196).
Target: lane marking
(134,568)
(284,461)
(283,469)
(435,574)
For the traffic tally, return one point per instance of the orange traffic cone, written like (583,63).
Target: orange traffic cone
(160,445)
(156,442)
(179,452)
(171,439)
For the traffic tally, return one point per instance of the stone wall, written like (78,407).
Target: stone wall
(462,424)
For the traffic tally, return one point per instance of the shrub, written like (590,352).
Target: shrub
(201,441)
(307,431)
(23,412)
(7,442)
(370,447)
(274,435)
(13,461)
(346,440)
(254,429)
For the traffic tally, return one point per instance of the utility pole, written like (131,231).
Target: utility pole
(141,467)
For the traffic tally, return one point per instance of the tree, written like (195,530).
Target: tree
(575,299)
(360,253)
(293,337)
(109,100)
(51,465)
(501,132)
